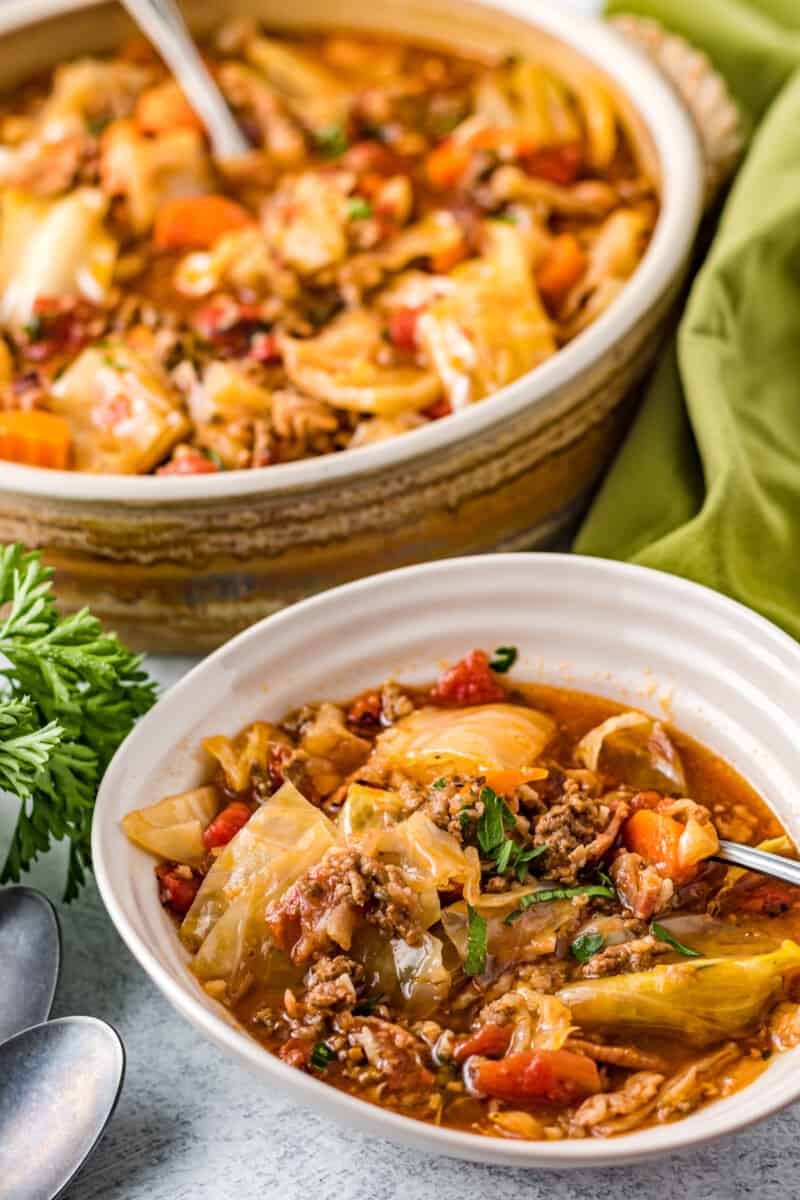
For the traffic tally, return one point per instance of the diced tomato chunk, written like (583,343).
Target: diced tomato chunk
(555,1076)
(297,1052)
(226,825)
(559,164)
(189,462)
(403,327)
(442,408)
(470,681)
(177,888)
(490,1041)
(265,348)
(770,896)
(365,711)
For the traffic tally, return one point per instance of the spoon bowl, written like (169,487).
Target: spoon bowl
(30,954)
(59,1085)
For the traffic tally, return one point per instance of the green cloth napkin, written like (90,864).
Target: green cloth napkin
(707,484)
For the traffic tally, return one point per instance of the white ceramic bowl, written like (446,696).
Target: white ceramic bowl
(724,675)
(179,563)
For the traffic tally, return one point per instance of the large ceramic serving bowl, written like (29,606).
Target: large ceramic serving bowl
(722,674)
(181,563)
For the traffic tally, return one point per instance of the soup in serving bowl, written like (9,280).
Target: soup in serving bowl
(488,904)
(412,230)
(216,549)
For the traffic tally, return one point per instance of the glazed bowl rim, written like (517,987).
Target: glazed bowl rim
(680,159)
(722,621)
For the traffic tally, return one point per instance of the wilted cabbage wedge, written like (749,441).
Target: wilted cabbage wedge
(53,248)
(533,933)
(701,1001)
(489,739)
(173,828)
(368,808)
(491,327)
(282,824)
(238,947)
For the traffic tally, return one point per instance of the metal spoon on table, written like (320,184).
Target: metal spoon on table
(162,22)
(30,959)
(59,1085)
(59,1081)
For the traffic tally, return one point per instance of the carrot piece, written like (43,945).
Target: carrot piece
(446,163)
(163,108)
(563,266)
(38,439)
(504,780)
(188,221)
(656,838)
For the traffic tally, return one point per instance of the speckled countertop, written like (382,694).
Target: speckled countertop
(191,1125)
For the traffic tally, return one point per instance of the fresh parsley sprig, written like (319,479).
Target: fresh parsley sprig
(558,893)
(663,935)
(477,941)
(69,694)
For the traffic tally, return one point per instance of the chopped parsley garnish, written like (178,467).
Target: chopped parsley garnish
(521,861)
(504,856)
(587,945)
(559,893)
(331,140)
(508,217)
(439,783)
(664,935)
(504,659)
(213,457)
(358,209)
(463,819)
(475,961)
(493,821)
(321,1056)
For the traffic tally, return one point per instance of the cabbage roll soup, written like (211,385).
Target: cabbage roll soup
(412,230)
(487,905)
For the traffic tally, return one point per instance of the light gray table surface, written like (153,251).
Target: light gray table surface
(191,1125)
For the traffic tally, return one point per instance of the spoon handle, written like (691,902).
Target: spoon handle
(164,25)
(759,860)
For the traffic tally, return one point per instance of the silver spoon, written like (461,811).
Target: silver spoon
(759,860)
(163,24)
(59,1085)
(30,959)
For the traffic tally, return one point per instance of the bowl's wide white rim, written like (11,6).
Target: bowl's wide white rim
(720,615)
(681,202)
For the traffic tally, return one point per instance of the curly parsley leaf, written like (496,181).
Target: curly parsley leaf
(504,659)
(475,961)
(559,893)
(664,935)
(586,946)
(69,694)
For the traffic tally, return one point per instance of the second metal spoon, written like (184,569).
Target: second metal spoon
(59,1085)
(30,959)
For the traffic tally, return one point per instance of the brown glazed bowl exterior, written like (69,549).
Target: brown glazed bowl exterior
(181,564)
